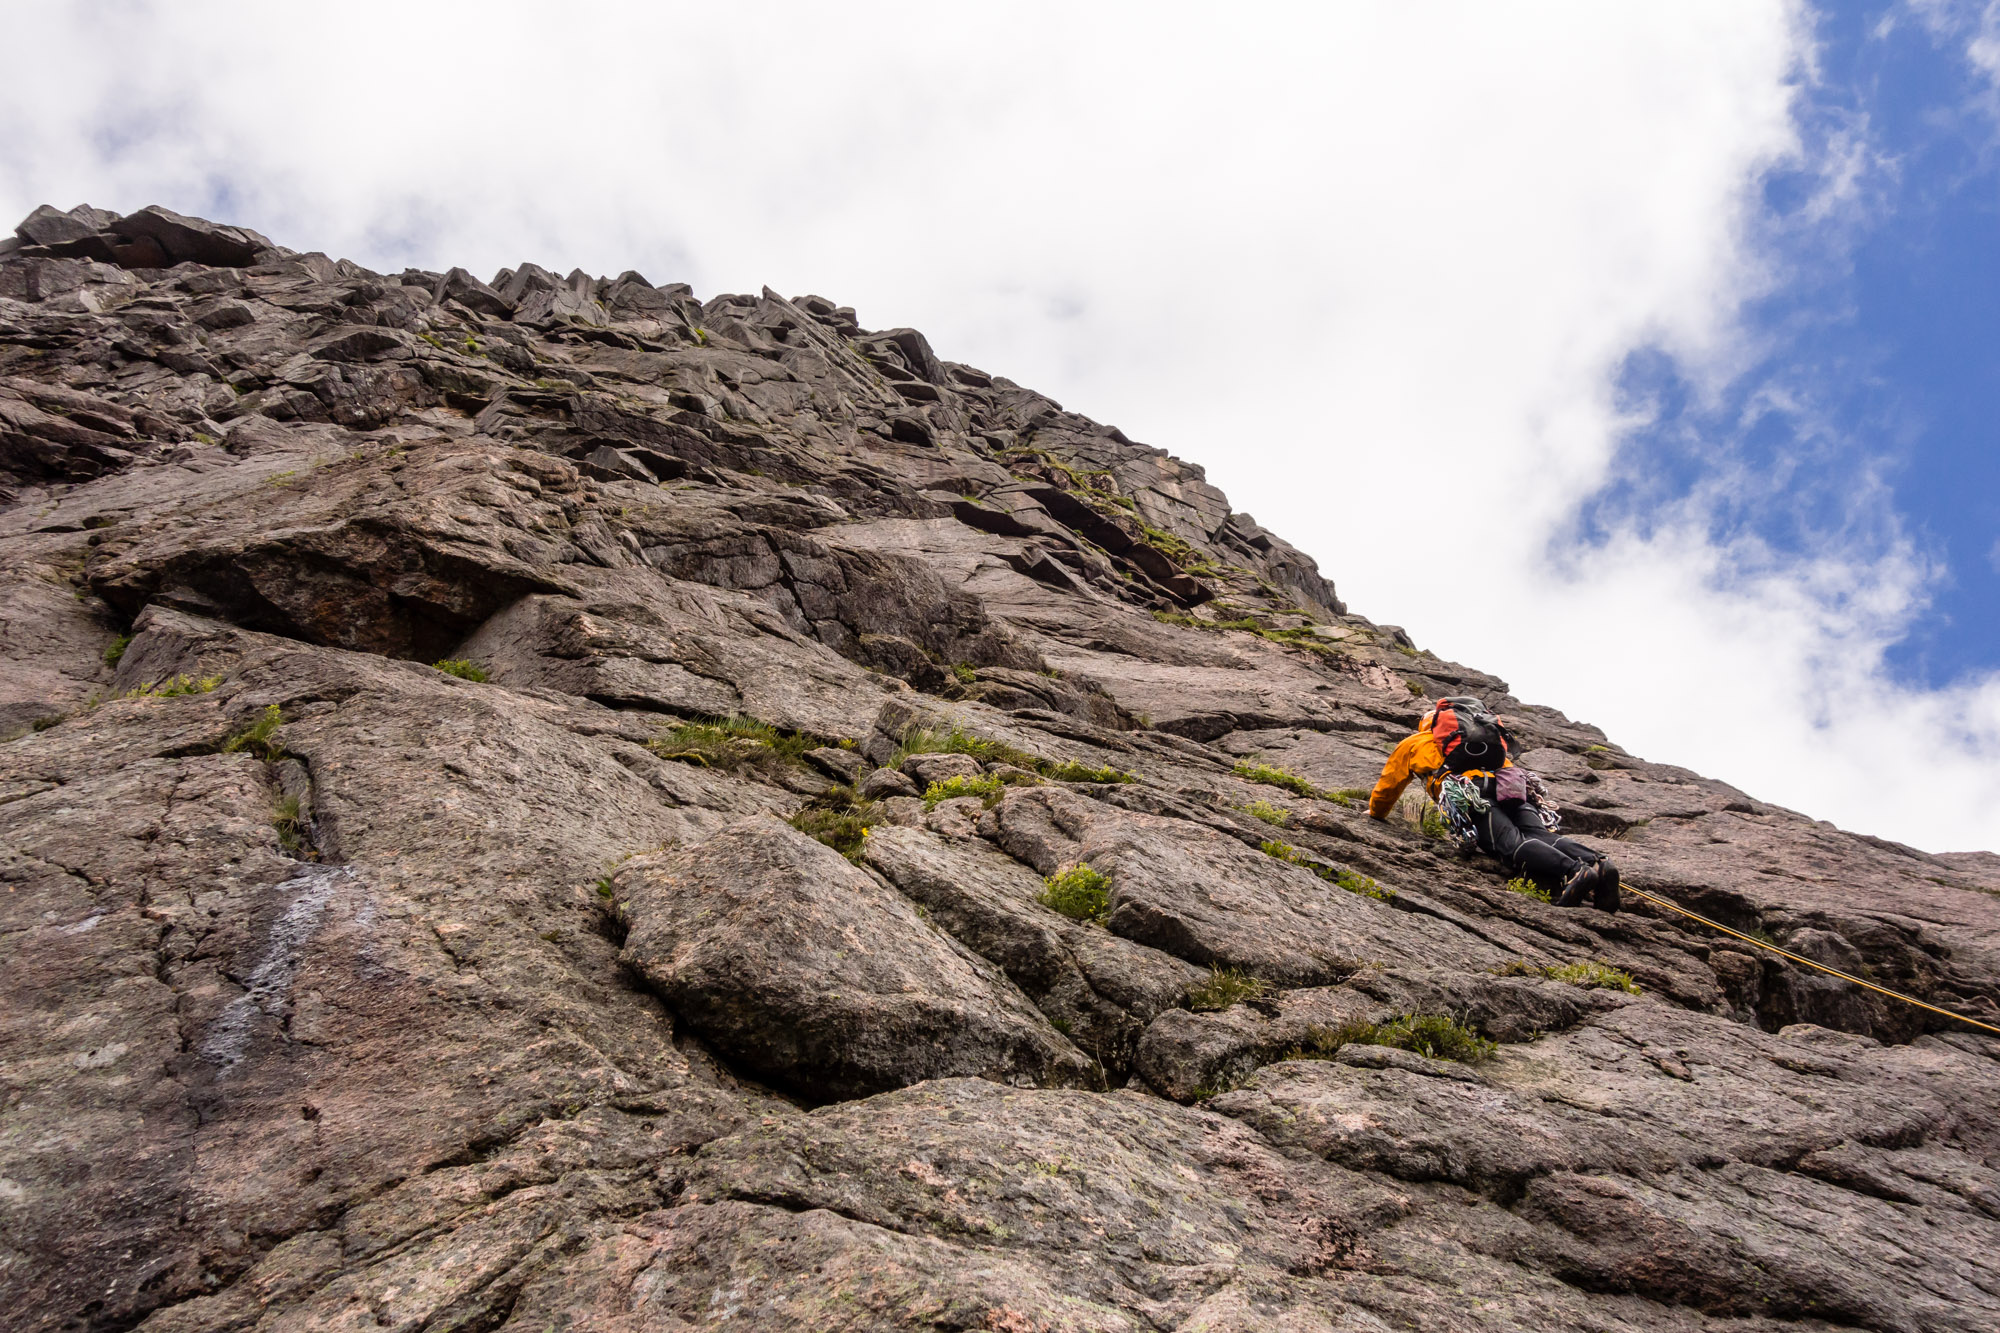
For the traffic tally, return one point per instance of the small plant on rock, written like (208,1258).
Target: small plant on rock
(965,673)
(116,652)
(256,738)
(1226,986)
(1527,888)
(1438,1036)
(987,787)
(1275,815)
(1323,1043)
(1590,976)
(1346,879)
(1363,885)
(173,686)
(462,667)
(840,820)
(1351,797)
(290,824)
(1080,893)
(1275,777)
(727,743)
(1433,824)
(1069,770)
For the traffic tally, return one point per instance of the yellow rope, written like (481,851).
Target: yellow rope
(1672,906)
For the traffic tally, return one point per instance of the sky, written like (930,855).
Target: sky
(1644,356)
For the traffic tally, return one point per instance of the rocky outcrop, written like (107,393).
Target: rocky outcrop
(543,802)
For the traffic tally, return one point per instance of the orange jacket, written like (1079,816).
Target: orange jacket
(1417,757)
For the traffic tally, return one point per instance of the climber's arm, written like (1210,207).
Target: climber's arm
(1395,776)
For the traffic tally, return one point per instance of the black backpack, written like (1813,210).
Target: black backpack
(1469,735)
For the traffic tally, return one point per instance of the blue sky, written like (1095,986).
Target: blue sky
(1867,412)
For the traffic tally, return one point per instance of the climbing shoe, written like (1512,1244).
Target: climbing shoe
(1604,895)
(1578,888)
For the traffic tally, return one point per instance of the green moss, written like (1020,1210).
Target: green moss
(965,673)
(1226,986)
(1527,888)
(462,667)
(1353,798)
(257,737)
(1079,893)
(116,651)
(985,786)
(1274,815)
(1275,777)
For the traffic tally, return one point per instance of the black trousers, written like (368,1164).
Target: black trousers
(1514,832)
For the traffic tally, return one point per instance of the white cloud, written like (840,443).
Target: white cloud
(1356,259)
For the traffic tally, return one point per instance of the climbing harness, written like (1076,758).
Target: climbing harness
(1460,802)
(1673,906)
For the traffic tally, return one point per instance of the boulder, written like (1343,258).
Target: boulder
(924,769)
(185,240)
(460,286)
(886,782)
(807,973)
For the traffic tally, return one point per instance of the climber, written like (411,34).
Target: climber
(1503,809)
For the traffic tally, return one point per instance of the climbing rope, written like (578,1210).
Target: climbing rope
(1672,906)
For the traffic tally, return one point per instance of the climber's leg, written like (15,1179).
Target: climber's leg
(1549,868)
(1598,886)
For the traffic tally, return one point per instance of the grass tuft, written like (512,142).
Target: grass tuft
(290,824)
(256,738)
(1353,798)
(1589,976)
(729,743)
(1527,888)
(1276,777)
(1226,986)
(987,787)
(839,819)
(1433,824)
(116,651)
(1438,1036)
(1346,879)
(1275,815)
(462,667)
(964,672)
(1069,770)
(1323,1043)
(1079,893)
(173,686)
(1363,885)
(927,740)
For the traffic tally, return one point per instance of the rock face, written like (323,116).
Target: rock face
(544,803)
